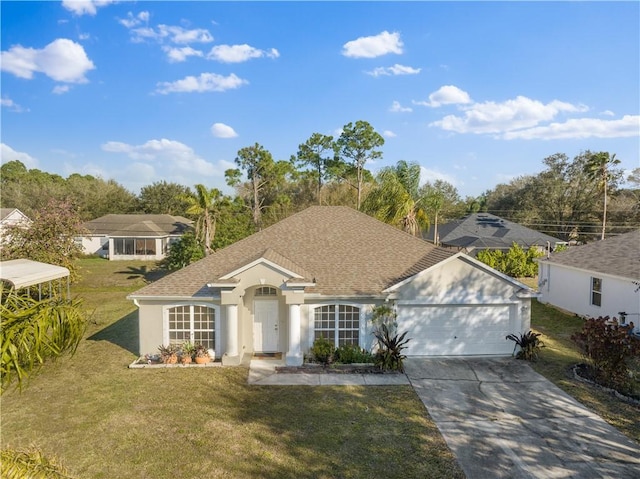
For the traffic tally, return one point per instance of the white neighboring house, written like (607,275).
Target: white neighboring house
(128,237)
(10,217)
(320,272)
(595,279)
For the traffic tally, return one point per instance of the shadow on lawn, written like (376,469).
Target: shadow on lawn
(123,333)
(148,275)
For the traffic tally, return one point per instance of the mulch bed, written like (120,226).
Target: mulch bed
(582,372)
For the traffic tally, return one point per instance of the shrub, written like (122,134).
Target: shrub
(529,343)
(351,353)
(322,351)
(607,348)
(182,253)
(515,262)
(389,357)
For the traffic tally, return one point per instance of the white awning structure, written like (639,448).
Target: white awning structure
(22,273)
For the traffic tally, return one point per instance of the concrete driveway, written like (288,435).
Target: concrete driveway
(503,420)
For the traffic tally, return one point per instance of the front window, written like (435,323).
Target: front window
(339,323)
(596,291)
(266,291)
(192,323)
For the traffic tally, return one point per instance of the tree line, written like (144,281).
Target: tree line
(577,198)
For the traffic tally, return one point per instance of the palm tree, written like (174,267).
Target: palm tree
(205,205)
(597,169)
(396,199)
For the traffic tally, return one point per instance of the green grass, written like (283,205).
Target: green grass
(106,421)
(560,354)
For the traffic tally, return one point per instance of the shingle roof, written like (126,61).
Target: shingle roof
(484,230)
(344,251)
(617,256)
(138,225)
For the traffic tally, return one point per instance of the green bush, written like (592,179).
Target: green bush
(351,353)
(516,262)
(322,351)
(182,253)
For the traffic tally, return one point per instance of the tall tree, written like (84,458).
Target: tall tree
(396,198)
(441,199)
(356,145)
(260,168)
(204,205)
(599,168)
(313,153)
(164,198)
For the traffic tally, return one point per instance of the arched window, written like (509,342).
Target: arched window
(193,323)
(266,291)
(339,323)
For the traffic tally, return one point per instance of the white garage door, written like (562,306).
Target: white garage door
(457,330)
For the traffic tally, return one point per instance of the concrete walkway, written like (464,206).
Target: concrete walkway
(503,420)
(262,372)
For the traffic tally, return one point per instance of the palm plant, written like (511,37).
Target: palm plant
(598,168)
(32,331)
(396,200)
(31,463)
(530,344)
(205,205)
(389,356)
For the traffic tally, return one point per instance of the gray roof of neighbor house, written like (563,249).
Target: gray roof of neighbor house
(342,251)
(616,256)
(487,231)
(138,225)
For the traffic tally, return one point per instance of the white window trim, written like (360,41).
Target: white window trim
(217,321)
(592,290)
(312,320)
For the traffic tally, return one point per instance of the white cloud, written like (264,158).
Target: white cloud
(62,60)
(239,53)
(9,154)
(173,34)
(388,134)
(220,130)
(82,7)
(396,69)
(373,46)
(84,36)
(446,95)
(203,83)
(627,126)
(176,55)
(169,156)
(429,175)
(607,113)
(12,105)
(492,117)
(134,20)
(396,107)
(60,89)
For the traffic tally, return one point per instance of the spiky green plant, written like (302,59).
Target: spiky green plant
(529,343)
(30,464)
(389,356)
(32,331)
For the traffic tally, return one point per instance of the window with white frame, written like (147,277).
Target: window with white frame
(339,323)
(596,291)
(134,246)
(192,323)
(266,291)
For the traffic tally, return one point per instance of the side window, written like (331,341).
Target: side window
(596,291)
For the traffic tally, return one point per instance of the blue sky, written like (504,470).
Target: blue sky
(476,93)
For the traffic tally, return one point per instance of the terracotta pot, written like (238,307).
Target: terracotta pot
(173,359)
(185,359)
(202,359)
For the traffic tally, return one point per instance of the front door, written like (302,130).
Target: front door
(265,326)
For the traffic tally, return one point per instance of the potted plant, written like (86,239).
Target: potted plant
(168,354)
(201,354)
(187,351)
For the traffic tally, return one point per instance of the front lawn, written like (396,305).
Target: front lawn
(560,354)
(106,421)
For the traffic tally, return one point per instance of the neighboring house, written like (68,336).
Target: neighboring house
(10,217)
(596,279)
(142,237)
(319,273)
(480,231)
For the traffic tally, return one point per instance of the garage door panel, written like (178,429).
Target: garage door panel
(450,331)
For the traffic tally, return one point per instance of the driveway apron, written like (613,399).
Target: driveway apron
(503,420)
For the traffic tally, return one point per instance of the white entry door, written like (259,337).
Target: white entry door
(265,326)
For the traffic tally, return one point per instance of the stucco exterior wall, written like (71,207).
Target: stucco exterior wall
(95,245)
(570,289)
